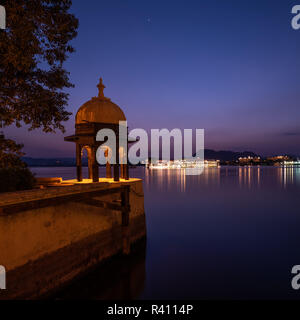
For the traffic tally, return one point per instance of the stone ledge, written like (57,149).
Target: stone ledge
(70,187)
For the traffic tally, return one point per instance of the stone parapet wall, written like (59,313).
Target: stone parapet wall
(46,247)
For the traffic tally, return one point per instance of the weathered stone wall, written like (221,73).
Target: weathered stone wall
(44,248)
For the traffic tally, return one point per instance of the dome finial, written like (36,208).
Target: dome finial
(101,88)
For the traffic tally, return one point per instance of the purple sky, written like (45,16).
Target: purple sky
(231,67)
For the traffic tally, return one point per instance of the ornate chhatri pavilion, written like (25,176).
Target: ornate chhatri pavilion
(83,222)
(96,114)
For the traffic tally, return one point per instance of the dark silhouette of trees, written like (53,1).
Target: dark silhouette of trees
(14,174)
(10,153)
(32,51)
(33,48)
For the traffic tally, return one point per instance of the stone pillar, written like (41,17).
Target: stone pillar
(116,166)
(126,166)
(94,165)
(108,166)
(89,152)
(78,162)
(126,171)
(122,171)
(124,162)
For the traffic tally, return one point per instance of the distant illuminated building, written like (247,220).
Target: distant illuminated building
(211,163)
(283,161)
(249,160)
(182,164)
(279,158)
(291,163)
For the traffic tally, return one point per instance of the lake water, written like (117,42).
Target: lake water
(230,233)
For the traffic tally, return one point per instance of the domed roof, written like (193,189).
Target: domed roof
(100,109)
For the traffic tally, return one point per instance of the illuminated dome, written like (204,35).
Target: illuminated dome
(100,109)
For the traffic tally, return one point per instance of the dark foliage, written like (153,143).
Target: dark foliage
(14,174)
(227,155)
(16,179)
(10,154)
(32,51)
(32,78)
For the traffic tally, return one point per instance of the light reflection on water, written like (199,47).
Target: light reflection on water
(247,177)
(166,179)
(232,232)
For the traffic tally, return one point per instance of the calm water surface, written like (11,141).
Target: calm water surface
(231,233)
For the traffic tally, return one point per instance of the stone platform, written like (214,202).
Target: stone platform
(50,236)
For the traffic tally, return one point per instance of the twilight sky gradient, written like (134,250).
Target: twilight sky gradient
(231,67)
